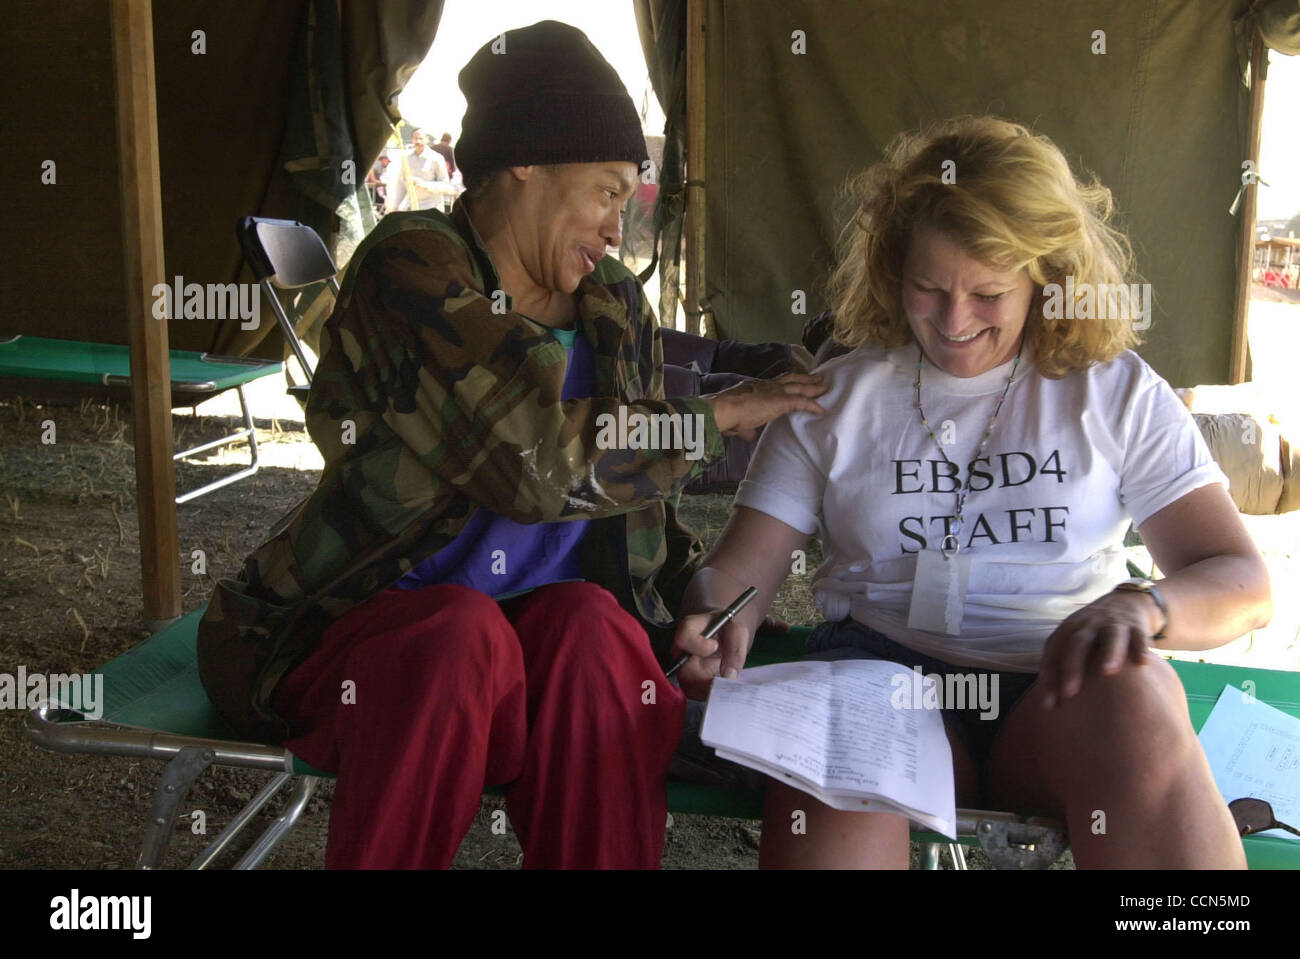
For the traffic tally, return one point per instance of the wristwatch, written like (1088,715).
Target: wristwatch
(1139,585)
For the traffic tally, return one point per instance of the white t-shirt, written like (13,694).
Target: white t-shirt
(1068,464)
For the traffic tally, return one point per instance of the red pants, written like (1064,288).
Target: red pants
(417,699)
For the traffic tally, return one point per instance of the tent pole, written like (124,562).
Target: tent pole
(142,246)
(695,94)
(1246,235)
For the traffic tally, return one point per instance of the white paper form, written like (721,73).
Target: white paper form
(1254,750)
(834,725)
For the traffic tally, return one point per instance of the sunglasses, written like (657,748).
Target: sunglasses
(1255,815)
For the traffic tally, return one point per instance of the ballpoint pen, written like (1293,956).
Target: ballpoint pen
(715,624)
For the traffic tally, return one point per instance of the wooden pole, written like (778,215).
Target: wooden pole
(1246,234)
(695,97)
(142,247)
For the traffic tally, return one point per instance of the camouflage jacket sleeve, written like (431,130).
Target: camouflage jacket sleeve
(473,389)
(683,552)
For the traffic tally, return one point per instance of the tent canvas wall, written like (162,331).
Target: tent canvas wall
(281,93)
(1159,117)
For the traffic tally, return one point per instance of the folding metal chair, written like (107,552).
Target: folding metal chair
(287,255)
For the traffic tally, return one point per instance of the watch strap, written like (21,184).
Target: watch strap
(1149,587)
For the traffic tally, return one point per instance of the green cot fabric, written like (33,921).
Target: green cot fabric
(156,686)
(71,360)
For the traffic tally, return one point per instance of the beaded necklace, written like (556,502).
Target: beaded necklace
(950,545)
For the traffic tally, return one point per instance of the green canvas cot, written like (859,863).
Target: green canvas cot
(193,376)
(153,695)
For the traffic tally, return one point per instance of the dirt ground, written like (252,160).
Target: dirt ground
(70,601)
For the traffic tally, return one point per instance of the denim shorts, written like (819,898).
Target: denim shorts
(849,639)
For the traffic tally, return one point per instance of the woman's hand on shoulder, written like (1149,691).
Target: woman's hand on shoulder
(1097,641)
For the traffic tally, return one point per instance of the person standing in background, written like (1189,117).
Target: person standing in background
(377,182)
(445,151)
(430,180)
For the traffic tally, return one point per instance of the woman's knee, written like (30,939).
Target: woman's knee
(587,622)
(1131,726)
(583,602)
(1148,695)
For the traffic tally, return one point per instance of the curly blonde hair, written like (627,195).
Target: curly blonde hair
(1013,202)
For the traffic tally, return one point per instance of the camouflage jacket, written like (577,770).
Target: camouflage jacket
(432,398)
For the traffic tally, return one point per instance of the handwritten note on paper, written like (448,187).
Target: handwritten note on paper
(1254,750)
(834,725)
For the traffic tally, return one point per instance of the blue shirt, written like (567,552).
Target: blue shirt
(503,558)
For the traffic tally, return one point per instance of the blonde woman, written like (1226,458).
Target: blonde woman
(991,436)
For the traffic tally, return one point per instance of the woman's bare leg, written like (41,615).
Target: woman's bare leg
(826,838)
(1120,763)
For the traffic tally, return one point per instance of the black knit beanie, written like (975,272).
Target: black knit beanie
(544,94)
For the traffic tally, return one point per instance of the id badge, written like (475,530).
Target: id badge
(939,591)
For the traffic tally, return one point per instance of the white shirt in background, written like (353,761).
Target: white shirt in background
(428,176)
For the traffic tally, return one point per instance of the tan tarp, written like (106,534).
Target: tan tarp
(1160,117)
(1257,458)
